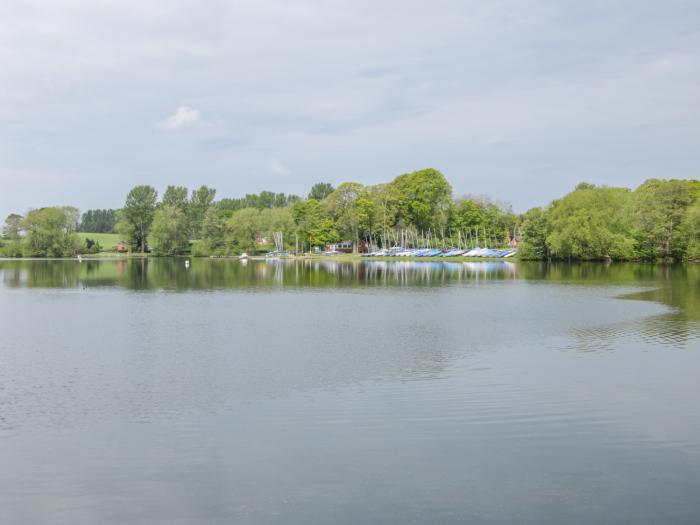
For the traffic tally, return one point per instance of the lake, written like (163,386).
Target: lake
(319,392)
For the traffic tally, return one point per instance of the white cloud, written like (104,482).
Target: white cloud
(276,167)
(183,117)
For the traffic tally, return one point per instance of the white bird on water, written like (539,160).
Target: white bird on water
(187,263)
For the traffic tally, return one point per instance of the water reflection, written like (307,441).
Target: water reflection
(676,286)
(673,329)
(206,274)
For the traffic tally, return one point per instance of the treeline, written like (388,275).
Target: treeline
(420,202)
(417,205)
(264,200)
(45,232)
(98,221)
(659,221)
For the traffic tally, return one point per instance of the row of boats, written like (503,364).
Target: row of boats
(434,252)
(417,252)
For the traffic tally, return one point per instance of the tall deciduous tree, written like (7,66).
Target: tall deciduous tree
(482,219)
(214,239)
(136,217)
(592,223)
(12,229)
(277,220)
(535,229)
(243,226)
(200,201)
(659,209)
(50,232)
(169,230)
(342,207)
(314,226)
(368,214)
(691,231)
(424,199)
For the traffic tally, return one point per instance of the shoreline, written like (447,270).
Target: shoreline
(339,258)
(346,258)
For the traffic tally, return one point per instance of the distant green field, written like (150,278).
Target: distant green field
(106,240)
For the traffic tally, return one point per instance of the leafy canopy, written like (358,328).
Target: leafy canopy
(136,217)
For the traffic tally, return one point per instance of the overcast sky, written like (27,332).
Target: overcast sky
(519,100)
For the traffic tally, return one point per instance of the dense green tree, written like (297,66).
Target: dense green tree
(468,215)
(242,229)
(321,190)
(98,221)
(659,209)
(314,226)
(224,235)
(592,223)
(267,199)
(277,220)
(169,235)
(369,216)
(423,199)
(12,235)
(534,231)
(500,220)
(214,234)
(691,231)
(50,232)
(135,218)
(482,220)
(11,248)
(342,207)
(200,201)
(323,233)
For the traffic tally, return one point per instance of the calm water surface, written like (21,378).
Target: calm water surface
(144,392)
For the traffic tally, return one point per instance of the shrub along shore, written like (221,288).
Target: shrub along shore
(658,221)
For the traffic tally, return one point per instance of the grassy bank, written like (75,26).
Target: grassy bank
(106,240)
(115,255)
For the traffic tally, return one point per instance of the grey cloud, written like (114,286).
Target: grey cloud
(520,100)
